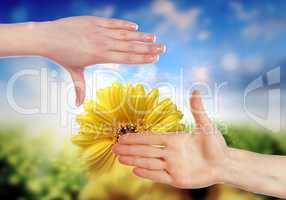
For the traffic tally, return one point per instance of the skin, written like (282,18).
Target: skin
(78,42)
(201,159)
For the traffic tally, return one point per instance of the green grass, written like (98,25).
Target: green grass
(31,168)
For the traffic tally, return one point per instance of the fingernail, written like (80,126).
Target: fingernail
(77,102)
(149,38)
(164,48)
(152,59)
(160,48)
(134,26)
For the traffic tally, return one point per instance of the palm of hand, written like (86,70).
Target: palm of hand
(188,160)
(199,156)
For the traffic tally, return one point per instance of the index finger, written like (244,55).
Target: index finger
(116,24)
(143,139)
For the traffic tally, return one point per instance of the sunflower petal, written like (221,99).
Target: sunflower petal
(118,109)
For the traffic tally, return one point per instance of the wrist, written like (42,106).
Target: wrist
(22,39)
(37,38)
(233,166)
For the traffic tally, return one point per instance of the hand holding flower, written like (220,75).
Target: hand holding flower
(186,161)
(201,159)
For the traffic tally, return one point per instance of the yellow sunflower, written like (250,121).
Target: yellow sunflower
(121,109)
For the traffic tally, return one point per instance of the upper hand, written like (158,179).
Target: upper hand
(77,42)
(187,160)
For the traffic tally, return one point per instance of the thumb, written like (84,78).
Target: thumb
(198,110)
(79,85)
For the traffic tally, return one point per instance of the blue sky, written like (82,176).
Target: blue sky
(229,37)
(213,41)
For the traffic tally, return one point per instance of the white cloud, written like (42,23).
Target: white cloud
(201,73)
(253,64)
(230,61)
(175,18)
(203,35)
(145,74)
(267,29)
(241,13)
(252,30)
(170,20)
(107,11)
(258,23)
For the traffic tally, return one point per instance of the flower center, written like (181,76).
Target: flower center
(126,128)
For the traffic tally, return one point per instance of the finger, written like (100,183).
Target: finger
(130,35)
(143,139)
(138,150)
(146,163)
(198,110)
(160,176)
(116,24)
(129,58)
(79,84)
(136,47)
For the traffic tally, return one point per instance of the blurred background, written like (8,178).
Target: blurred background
(233,51)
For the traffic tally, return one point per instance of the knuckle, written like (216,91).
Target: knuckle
(129,59)
(100,55)
(131,47)
(112,23)
(131,161)
(129,151)
(148,164)
(150,48)
(142,35)
(123,34)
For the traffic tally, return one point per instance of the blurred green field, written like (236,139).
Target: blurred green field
(40,167)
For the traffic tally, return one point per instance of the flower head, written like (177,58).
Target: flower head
(118,110)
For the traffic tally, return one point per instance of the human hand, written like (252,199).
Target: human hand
(187,160)
(77,42)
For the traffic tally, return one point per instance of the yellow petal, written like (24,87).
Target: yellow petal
(83,140)
(117,107)
(139,101)
(97,149)
(168,122)
(158,112)
(152,99)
